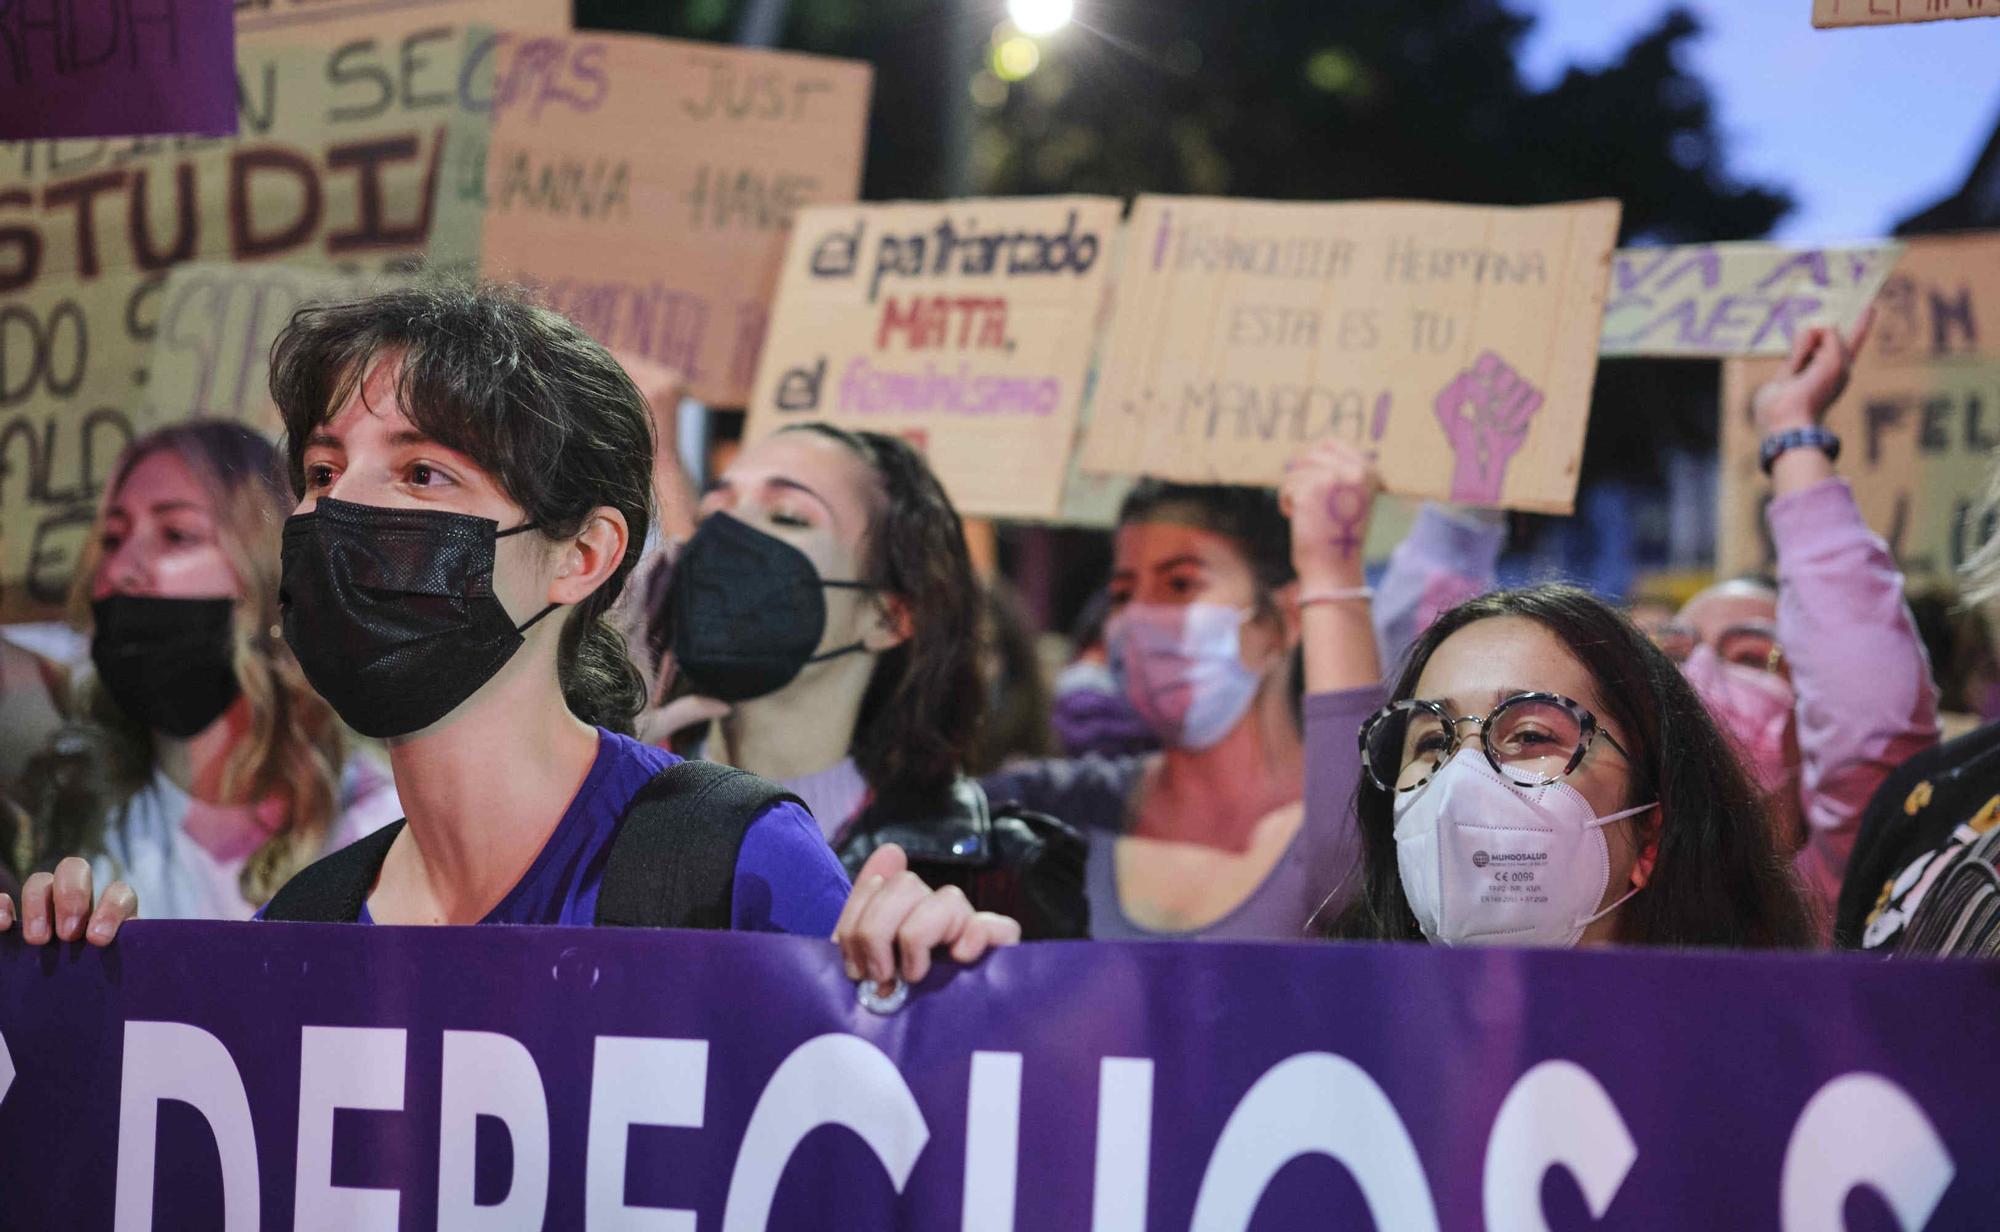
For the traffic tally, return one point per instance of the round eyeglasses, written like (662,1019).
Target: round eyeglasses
(1532,739)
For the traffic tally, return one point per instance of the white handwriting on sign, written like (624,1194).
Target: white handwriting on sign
(1313,1103)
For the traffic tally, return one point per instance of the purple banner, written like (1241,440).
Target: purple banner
(244,1076)
(114,68)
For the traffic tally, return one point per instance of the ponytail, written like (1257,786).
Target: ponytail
(599,681)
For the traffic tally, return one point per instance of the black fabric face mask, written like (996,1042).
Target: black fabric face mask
(165,661)
(391,612)
(747,611)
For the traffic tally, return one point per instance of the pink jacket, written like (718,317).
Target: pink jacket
(1866,701)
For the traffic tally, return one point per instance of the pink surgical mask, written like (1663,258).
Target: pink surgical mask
(1754,708)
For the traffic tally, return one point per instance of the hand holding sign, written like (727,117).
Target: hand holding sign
(893,921)
(57,907)
(1485,413)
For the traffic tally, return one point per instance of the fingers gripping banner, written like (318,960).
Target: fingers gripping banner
(275,1076)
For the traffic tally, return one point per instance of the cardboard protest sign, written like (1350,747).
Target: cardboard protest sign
(123,69)
(1828,13)
(1735,299)
(1918,423)
(649,184)
(1460,340)
(964,325)
(326,21)
(212,340)
(329,170)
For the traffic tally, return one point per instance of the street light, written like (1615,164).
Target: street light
(1039,17)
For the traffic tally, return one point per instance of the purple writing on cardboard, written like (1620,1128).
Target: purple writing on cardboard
(116,68)
(1735,299)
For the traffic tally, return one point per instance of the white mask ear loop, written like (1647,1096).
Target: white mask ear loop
(1587,921)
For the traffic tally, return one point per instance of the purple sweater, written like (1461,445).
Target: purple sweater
(1312,879)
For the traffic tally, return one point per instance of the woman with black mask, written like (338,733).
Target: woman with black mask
(475,480)
(206,770)
(825,615)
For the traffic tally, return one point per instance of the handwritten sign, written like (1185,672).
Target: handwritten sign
(1919,421)
(964,325)
(649,184)
(1461,341)
(325,21)
(330,169)
(73,69)
(1890,12)
(1735,299)
(211,352)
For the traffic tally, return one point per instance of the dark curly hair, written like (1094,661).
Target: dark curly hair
(528,396)
(1719,880)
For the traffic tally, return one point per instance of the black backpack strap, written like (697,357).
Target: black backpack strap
(673,863)
(331,890)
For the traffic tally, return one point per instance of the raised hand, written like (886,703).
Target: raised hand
(1328,493)
(1813,380)
(1485,412)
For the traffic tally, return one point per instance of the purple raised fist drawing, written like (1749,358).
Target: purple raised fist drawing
(1485,412)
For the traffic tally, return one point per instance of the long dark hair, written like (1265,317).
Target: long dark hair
(920,714)
(524,393)
(1719,879)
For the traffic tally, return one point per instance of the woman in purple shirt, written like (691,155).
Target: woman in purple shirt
(475,478)
(1211,592)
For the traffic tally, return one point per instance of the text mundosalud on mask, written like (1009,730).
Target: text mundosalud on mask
(1488,861)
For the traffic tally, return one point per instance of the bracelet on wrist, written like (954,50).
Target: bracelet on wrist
(1779,443)
(1344,594)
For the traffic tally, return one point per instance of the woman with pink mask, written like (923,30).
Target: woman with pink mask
(1821,679)
(1211,591)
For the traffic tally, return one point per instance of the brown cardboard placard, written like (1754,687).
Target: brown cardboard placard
(649,185)
(1919,420)
(321,174)
(1832,13)
(964,325)
(1461,341)
(211,352)
(332,21)
(1735,299)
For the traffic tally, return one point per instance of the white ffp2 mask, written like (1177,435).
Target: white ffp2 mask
(1485,861)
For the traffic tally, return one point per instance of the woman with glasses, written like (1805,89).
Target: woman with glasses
(1543,775)
(1817,675)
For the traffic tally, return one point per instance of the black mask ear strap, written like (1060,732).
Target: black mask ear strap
(856,648)
(532,620)
(850,585)
(537,616)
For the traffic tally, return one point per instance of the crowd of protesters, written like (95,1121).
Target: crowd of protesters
(377,674)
